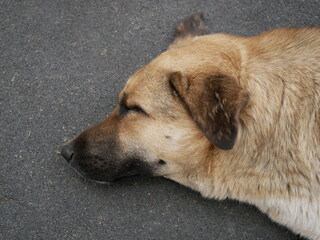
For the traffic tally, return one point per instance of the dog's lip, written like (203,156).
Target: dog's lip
(99,182)
(83,175)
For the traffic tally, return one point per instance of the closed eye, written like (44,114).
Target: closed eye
(124,109)
(135,109)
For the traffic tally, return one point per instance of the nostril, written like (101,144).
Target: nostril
(67,152)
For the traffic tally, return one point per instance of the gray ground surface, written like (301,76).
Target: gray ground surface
(62,64)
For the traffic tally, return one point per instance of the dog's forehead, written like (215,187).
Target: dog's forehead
(147,81)
(152,79)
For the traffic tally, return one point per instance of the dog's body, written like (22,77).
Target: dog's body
(231,117)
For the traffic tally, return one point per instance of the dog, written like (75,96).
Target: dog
(228,116)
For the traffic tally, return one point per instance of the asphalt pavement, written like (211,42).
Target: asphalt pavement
(62,64)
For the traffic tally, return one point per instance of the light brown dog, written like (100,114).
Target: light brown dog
(231,117)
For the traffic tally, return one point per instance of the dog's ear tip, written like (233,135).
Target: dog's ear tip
(224,144)
(192,25)
(224,140)
(227,146)
(188,28)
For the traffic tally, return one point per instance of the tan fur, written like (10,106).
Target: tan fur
(277,152)
(275,162)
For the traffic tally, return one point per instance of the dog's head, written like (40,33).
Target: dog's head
(171,114)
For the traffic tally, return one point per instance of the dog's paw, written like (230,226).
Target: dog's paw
(192,26)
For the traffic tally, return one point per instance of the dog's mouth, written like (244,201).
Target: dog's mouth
(100,176)
(83,175)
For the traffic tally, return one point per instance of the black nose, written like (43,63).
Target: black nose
(67,151)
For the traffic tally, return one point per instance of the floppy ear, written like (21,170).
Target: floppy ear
(214,103)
